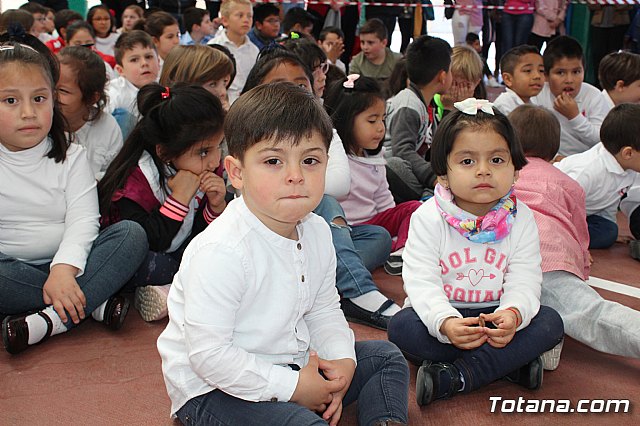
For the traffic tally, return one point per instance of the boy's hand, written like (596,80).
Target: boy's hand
(312,390)
(184,186)
(335,370)
(213,185)
(506,322)
(566,106)
(336,50)
(63,292)
(463,333)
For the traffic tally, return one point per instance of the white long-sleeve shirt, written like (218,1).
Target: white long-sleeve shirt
(48,210)
(245,303)
(102,139)
(337,177)
(583,131)
(443,270)
(508,101)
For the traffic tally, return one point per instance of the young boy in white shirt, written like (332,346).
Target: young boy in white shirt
(619,75)
(254,312)
(236,19)
(523,74)
(578,106)
(137,63)
(606,171)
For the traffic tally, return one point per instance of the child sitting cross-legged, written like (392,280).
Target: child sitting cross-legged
(255,333)
(472,266)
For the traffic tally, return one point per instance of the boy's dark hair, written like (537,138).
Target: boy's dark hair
(621,127)
(561,47)
(333,74)
(263,10)
(376,27)
(129,40)
(155,23)
(64,18)
(618,66)
(192,16)
(330,30)
(398,79)
(343,105)
(426,57)
(510,59)
(538,131)
(294,16)
(93,11)
(90,75)
(457,121)
(278,111)
(268,60)
(77,26)
(307,50)
(175,124)
(39,56)
(15,17)
(471,38)
(33,7)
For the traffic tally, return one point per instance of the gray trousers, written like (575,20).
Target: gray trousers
(599,323)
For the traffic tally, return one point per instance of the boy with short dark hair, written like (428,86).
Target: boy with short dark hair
(376,60)
(608,170)
(236,19)
(619,75)
(198,27)
(266,25)
(331,40)
(254,315)
(578,106)
(298,20)
(411,119)
(523,74)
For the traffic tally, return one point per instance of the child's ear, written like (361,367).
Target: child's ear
(233,166)
(507,78)
(119,69)
(160,154)
(516,176)
(443,181)
(627,152)
(619,85)
(95,98)
(385,42)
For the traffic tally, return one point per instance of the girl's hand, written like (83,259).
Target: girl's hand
(335,370)
(63,292)
(506,322)
(566,106)
(214,186)
(184,186)
(463,332)
(312,390)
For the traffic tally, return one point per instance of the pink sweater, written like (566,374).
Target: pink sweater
(527,5)
(558,205)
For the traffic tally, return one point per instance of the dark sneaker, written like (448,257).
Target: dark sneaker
(529,375)
(436,381)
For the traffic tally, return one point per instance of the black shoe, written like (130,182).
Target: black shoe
(355,313)
(15,332)
(115,311)
(634,249)
(529,375)
(436,381)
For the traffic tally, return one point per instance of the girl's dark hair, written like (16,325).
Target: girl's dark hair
(93,11)
(77,26)
(307,50)
(174,122)
(398,79)
(90,75)
(28,50)
(270,59)
(155,23)
(457,121)
(343,105)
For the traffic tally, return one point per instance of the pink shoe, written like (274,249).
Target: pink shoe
(151,301)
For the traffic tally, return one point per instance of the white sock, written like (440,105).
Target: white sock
(98,314)
(397,252)
(373,300)
(38,325)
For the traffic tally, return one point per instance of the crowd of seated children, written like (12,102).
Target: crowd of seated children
(266,25)
(558,205)
(236,19)
(578,106)
(523,74)
(198,27)
(606,171)
(375,60)
(411,119)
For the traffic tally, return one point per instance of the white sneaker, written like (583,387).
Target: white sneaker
(492,82)
(551,358)
(151,301)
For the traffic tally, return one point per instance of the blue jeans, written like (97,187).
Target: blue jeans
(515,30)
(115,255)
(482,365)
(602,232)
(359,250)
(380,385)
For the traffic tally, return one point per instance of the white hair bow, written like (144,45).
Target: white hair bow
(471,106)
(350,82)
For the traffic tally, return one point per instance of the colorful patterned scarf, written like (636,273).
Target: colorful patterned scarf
(490,228)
